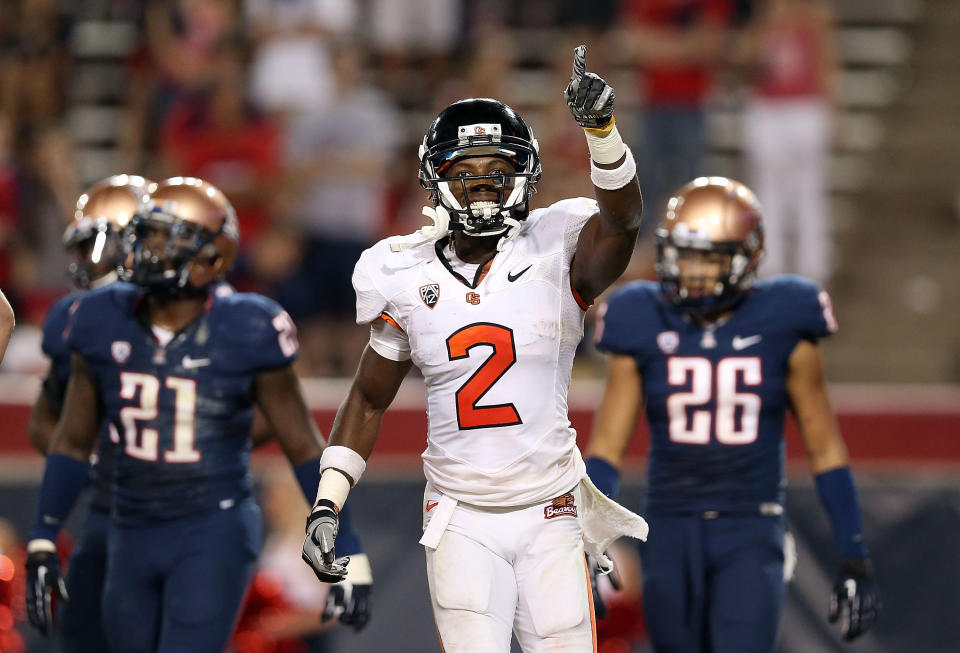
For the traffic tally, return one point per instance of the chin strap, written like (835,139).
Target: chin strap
(512,231)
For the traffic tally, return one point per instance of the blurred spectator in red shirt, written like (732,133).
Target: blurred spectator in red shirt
(676,46)
(216,134)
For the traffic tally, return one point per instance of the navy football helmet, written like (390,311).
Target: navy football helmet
(480,127)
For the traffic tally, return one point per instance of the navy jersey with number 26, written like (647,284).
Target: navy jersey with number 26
(182,412)
(715,397)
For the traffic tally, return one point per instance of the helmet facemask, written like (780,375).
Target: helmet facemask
(160,248)
(694,291)
(482,217)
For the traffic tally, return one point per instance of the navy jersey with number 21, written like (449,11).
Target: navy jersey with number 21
(181,412)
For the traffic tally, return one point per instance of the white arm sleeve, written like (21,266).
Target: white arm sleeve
(389,341)
(370,301)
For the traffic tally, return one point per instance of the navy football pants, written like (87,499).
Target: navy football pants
(81,628)
(713,585)
(176,586)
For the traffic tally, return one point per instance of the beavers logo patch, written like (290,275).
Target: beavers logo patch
(562,505)
(430,294)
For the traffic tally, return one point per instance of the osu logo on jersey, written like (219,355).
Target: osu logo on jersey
(562,505)
(430,294)
(473,298)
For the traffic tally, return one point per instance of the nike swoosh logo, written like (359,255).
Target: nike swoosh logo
(742,343)
(513,277)
(431,505)
(193,363)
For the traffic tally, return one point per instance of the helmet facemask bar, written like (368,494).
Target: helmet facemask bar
(162,247)
(482,218)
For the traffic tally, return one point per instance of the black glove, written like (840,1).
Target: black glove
(350,600)
(45,586)
(589,97)
(322,526)
(599,606)
(855,599)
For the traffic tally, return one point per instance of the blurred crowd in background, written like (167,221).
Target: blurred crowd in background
(308,115)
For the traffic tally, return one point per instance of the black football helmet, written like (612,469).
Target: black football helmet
(480,127)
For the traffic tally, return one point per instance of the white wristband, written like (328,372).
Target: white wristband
(345,460)
(334,486)
(607,148)
(616,178)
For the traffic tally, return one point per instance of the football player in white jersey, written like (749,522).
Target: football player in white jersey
(488,303)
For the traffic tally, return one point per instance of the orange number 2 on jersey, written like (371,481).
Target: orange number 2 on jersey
(504,355)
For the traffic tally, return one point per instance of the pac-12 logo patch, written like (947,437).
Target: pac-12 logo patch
(562,505)
(120,350)
(668,341)
(430,294)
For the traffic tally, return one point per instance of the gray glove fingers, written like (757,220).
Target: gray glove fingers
(605,95)
(579,63)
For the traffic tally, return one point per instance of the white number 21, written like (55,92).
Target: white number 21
(694,428)
(143,443)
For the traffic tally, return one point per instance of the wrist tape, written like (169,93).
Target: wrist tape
(605,143)
(616,178)
(345,460)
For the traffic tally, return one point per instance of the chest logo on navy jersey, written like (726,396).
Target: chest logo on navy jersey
(430,294)
(189,363)
(120,350)
(668,341)
(742,343)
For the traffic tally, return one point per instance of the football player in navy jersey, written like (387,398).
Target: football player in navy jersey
(93,239)
(176,370)
(715,360)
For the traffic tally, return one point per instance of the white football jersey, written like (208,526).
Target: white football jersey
(496,358)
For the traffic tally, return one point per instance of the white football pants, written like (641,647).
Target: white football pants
(497,570)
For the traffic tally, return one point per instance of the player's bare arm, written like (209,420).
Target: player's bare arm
(7,322)
(376,383)
(352,438)
(42,424)
(76,433)
(811,408)
(285,412)
(607,240)
(615,419)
